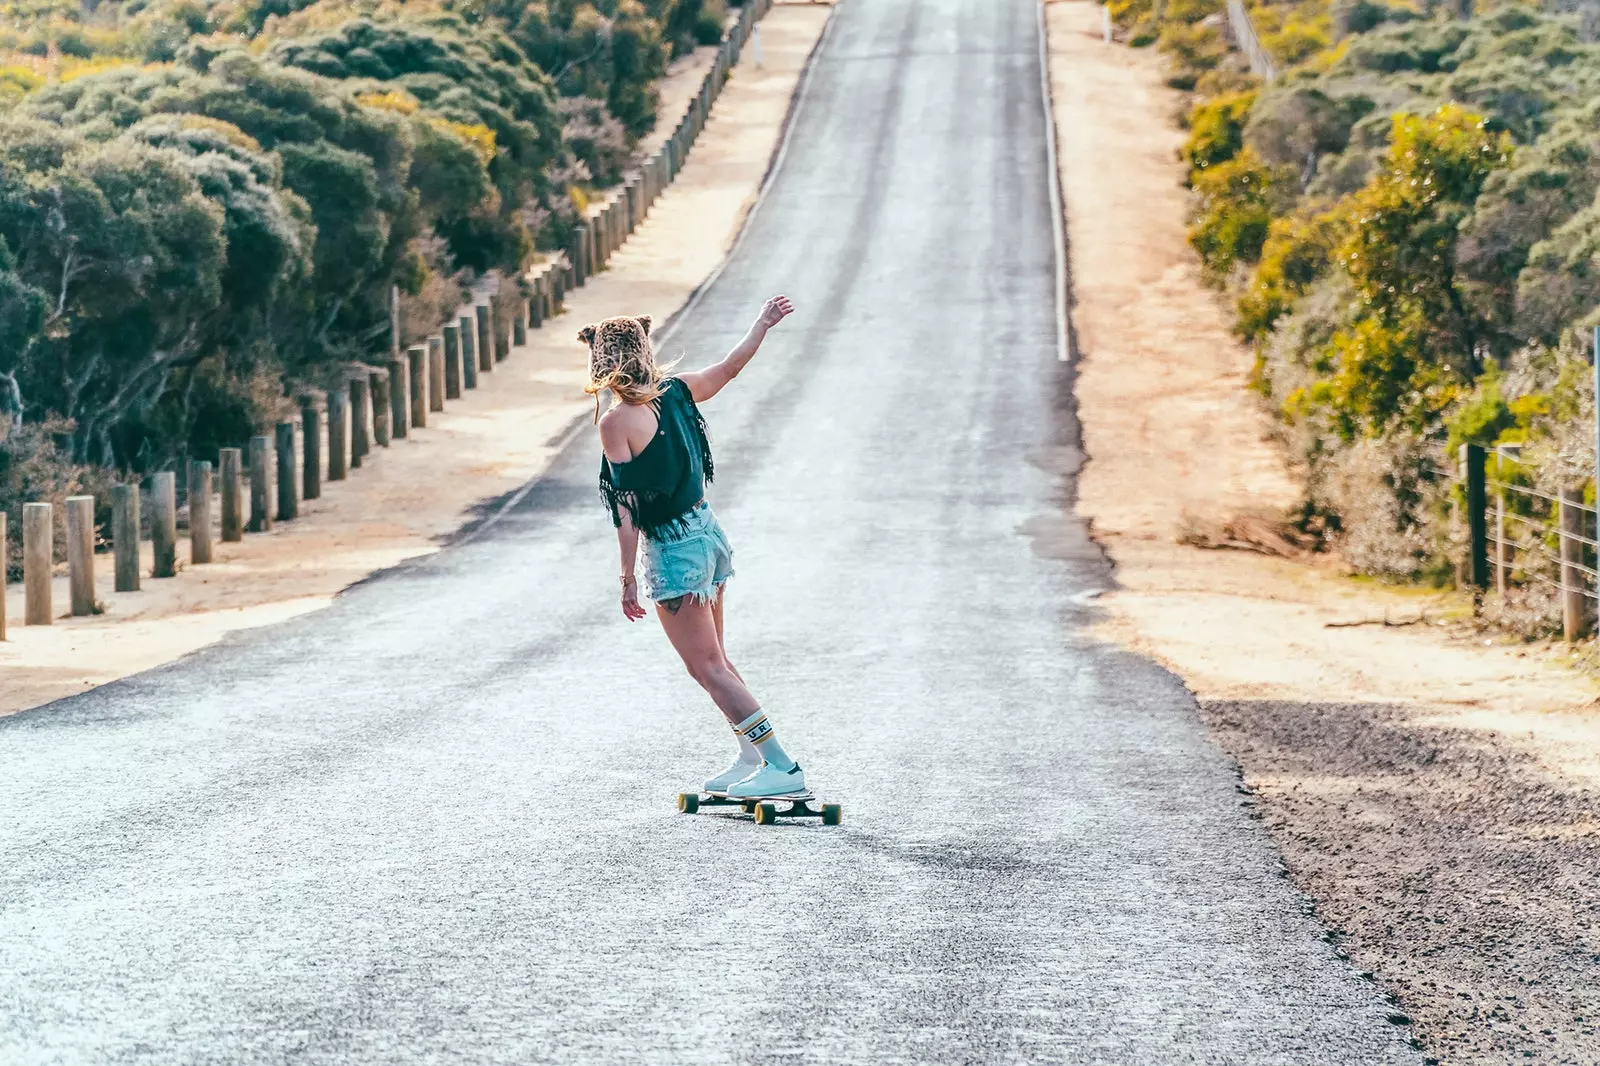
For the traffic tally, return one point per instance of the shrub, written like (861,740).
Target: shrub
(1216,129)
(1234,213)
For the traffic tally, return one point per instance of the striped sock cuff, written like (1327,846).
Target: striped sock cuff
(755,729)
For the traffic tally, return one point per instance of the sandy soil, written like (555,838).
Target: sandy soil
(1431,789)
(405,499)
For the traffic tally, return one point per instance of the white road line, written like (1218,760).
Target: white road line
(1057,205)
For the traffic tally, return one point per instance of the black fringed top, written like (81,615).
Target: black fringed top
(663,483)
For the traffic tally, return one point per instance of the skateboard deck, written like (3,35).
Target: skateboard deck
(766,811)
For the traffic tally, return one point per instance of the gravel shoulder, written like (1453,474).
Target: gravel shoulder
(408,499)
(1431,789)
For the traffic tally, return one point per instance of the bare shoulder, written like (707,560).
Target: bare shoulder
(622,428)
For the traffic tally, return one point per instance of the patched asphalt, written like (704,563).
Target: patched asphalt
(434,823)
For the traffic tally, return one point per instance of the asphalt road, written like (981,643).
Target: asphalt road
(434,823)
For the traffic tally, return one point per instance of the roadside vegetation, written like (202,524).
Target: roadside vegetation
(204,205)
(1405,221)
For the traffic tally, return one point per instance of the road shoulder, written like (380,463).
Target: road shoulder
(1428,786)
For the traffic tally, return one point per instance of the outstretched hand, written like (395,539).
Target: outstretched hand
(774,311)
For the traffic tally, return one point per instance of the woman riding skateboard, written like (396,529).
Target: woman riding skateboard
(653,475)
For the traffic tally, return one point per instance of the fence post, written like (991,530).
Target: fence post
(519,322)
(338,406)
(436,373)
(469,351)
(536,304)
(80,554)
(124,537)
(452,361)
(288,504)
(310,449)
(38,555)
(260,515)
(1472,461)
(199,511)
(1573,623)
(417,363)
(382,409)
(485,340)
(360,413)
(5,559)
(230,467)
(394,321)
(399,406)
(1502,550)
(502,327)
(164,523)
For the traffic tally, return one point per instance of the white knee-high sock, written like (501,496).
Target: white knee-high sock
(757,730)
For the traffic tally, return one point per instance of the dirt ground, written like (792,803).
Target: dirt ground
(407,498)
(1432,789)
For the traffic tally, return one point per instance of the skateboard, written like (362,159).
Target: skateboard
(766,811)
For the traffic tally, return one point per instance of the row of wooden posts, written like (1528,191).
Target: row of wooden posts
(373,407)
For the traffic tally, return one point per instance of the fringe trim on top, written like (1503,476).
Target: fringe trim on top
(649,509)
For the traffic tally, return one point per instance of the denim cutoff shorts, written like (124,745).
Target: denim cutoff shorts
(694,562)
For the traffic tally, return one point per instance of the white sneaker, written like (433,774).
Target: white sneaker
(731,776)
(769,782)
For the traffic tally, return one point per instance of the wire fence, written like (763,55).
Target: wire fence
(1245,38)
(1522,536)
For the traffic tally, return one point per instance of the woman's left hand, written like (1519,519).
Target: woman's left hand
(774,311)
(630,602)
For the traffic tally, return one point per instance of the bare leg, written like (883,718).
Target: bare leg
(691,627)
(716,615)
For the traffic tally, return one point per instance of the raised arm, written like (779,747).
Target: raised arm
(704,384)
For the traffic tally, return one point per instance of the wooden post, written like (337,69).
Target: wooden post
(38,556)
(310,449)
(80,554)
(500,318)
(452,361)
(1502,549)
(338,445)
(1573,622)
(230,472)
(260,504)
(575,255)
(394,322)
(399,397)
(436,373)
(199,512)
(417,360)
(125,537)
(382,409)
(1472,462)
(5,561)
(288,503)
(360,414)
(469,351)
(536,303)
(519,322)
(485,337)
(164,523)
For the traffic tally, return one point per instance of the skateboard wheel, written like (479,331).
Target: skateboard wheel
(766,813)
(749,806)
(688,802)
(832,814)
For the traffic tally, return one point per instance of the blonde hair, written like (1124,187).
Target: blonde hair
(622,361)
